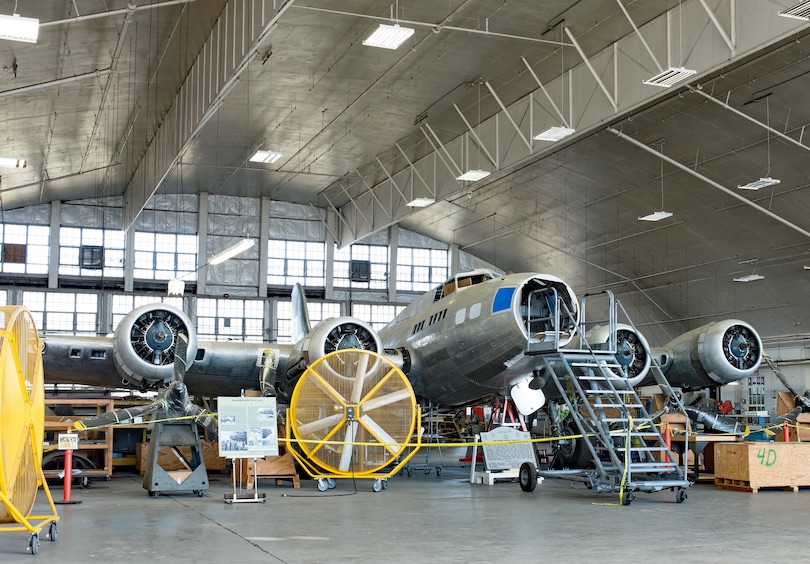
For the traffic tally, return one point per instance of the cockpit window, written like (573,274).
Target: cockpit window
(464,280)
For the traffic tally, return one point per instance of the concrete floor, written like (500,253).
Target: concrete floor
(424,517)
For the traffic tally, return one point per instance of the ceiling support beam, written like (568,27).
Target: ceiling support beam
(720,30)
(109,13)
(752,120)
(588,111)
(595,75)
(478,142)
(710,182)
(52,83)
(431,189)
(340,216)
(318,211)
(640,36)
(233,43)
(119,46)
(389,213)
(509,116)
(390,178)
(548,96)
(457,171)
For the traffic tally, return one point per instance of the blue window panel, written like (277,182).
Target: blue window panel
(503,299)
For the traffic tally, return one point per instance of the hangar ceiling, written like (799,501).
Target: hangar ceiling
(120,98)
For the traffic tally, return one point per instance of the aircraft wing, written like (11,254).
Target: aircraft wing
(140,354)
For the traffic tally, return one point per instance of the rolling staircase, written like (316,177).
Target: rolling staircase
(626,447)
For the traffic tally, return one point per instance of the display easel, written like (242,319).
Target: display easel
(236,476)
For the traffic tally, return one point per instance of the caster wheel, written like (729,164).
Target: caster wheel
(409,472)
(385,484)
(527,476)
(199,493)
(331,483)
(628,498)
(33,544)
(323,485)
(377,486)
(680,496)
(154,494)
(53,532)
(84,483)
(438,472)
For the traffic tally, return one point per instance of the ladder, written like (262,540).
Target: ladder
(626,447)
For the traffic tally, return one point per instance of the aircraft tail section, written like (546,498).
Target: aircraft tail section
(300,315)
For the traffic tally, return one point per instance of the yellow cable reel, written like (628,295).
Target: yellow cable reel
(352,412)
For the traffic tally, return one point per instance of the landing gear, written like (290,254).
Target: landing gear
(527,477)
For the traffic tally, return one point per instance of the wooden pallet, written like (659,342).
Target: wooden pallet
(745,486)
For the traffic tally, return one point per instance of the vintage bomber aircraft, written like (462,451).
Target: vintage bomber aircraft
(458,344)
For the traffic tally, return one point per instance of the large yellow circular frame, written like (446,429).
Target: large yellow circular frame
(22,413)
(352,413)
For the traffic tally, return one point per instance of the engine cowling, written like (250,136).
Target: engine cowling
(632,350)
(337,333)
(712,355)
(145,342)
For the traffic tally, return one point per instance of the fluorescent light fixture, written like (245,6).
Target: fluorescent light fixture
(474,174)
(420,202)
(800,11)
(388,36)
(761,183)
(656,216)
(749,278)
(13,162)
(18,28)
(268,157)
(669,77)
(806,267)
(232,251)
(555,134)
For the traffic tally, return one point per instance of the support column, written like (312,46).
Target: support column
(393,246)
(264,236)
(329,256)
(202,241)
(53,251)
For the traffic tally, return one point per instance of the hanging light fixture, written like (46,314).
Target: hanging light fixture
(750,277)
(475,174)
(389,36)
(177,286)
(672,75)
(800,11)
(659,215)
(767,180)
(18,28)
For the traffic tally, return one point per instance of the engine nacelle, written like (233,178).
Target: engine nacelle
(337,333)
(713,355)
(145,342)
(632,350)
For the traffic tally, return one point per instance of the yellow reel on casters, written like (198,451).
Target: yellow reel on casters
(22,421)
(353,412)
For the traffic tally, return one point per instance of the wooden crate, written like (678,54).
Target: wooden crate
(278,468)
(169,461)
(755,465)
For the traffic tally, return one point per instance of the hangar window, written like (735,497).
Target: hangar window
(377,314)
(122,304)
(377,258)
(63,312)
(419,270)
(91,252)
(289,262)
(163,256)
(318,311)
(230,319)
(25,249)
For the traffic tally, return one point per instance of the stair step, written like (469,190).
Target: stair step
(605,391)
(616,405)
(641,449)
(636,421)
